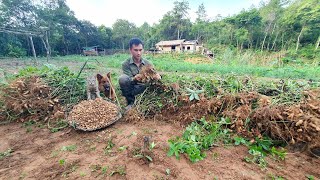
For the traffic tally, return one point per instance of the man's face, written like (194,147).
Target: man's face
(136,51)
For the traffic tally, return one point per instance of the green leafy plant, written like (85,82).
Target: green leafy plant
(108,147)
(59,125)
(198,136)
(69,148)
(104,170)
(6,153)
(168,171)
(62,162)
(259,149)
(194,94)
(122,148)
(310,177)
(120,170)
(151,146)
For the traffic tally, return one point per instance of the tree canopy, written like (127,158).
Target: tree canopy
(273,26)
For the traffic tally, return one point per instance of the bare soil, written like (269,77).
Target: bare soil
(40,154)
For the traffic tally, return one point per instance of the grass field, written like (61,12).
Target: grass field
(239,66)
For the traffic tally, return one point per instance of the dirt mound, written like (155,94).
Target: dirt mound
(251,114)
(296,123)
(90,115)
(30,98)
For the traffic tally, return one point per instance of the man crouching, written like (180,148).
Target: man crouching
(129,81)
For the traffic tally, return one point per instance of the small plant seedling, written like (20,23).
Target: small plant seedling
(274,177)
(83,174)
(62,162)
(29,129)
(194,94)
(59,125)
(22,175)
(152,145)
(54,153)
(93,148)
(310,177)
(7,153)
(168,171)
(239,141)
(122,148)
(215,156)
(132,134)
(104,170)
(120,170)
(69,148)
(95,167)
(119,131)
(28,123)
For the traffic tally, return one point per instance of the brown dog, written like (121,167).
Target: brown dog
(105,86)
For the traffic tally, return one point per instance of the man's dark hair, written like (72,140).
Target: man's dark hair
(135,41)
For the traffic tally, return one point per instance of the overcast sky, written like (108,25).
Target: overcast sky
(106,12)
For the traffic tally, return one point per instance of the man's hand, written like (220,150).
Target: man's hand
(138,77)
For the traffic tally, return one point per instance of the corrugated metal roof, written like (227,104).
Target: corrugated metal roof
(170,43)
(191,42)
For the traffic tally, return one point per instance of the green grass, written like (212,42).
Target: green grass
(176,63)
(236,64)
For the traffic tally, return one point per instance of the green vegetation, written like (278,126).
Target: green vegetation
(259,149)
(300,69)
(202,135)
(118,169)
(6,153)
(69,148)
(198,136)
(289,28)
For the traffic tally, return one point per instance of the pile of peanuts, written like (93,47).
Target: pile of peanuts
(93,114)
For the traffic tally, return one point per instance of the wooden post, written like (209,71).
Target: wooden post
(33,50)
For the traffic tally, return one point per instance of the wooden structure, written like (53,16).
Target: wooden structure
(93,51)
(42,34)
(178,46)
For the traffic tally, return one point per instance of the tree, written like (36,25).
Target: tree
(123,31)
(270,14)
(198,29)
(201,14)
(303,19)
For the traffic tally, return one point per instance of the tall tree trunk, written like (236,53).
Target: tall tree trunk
(33,50)
(265,36)
(48,44)
(274,26)
(45,46)
(274,42)
(298,40)
(282,44)
(318,43)
(178,33)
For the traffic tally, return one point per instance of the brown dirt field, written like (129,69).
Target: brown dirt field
(37,153)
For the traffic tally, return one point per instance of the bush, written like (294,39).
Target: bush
(15,51)
(307,52)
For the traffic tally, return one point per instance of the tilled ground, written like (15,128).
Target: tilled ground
(69,154)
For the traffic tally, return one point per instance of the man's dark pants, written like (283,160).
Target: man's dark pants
(130,88)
